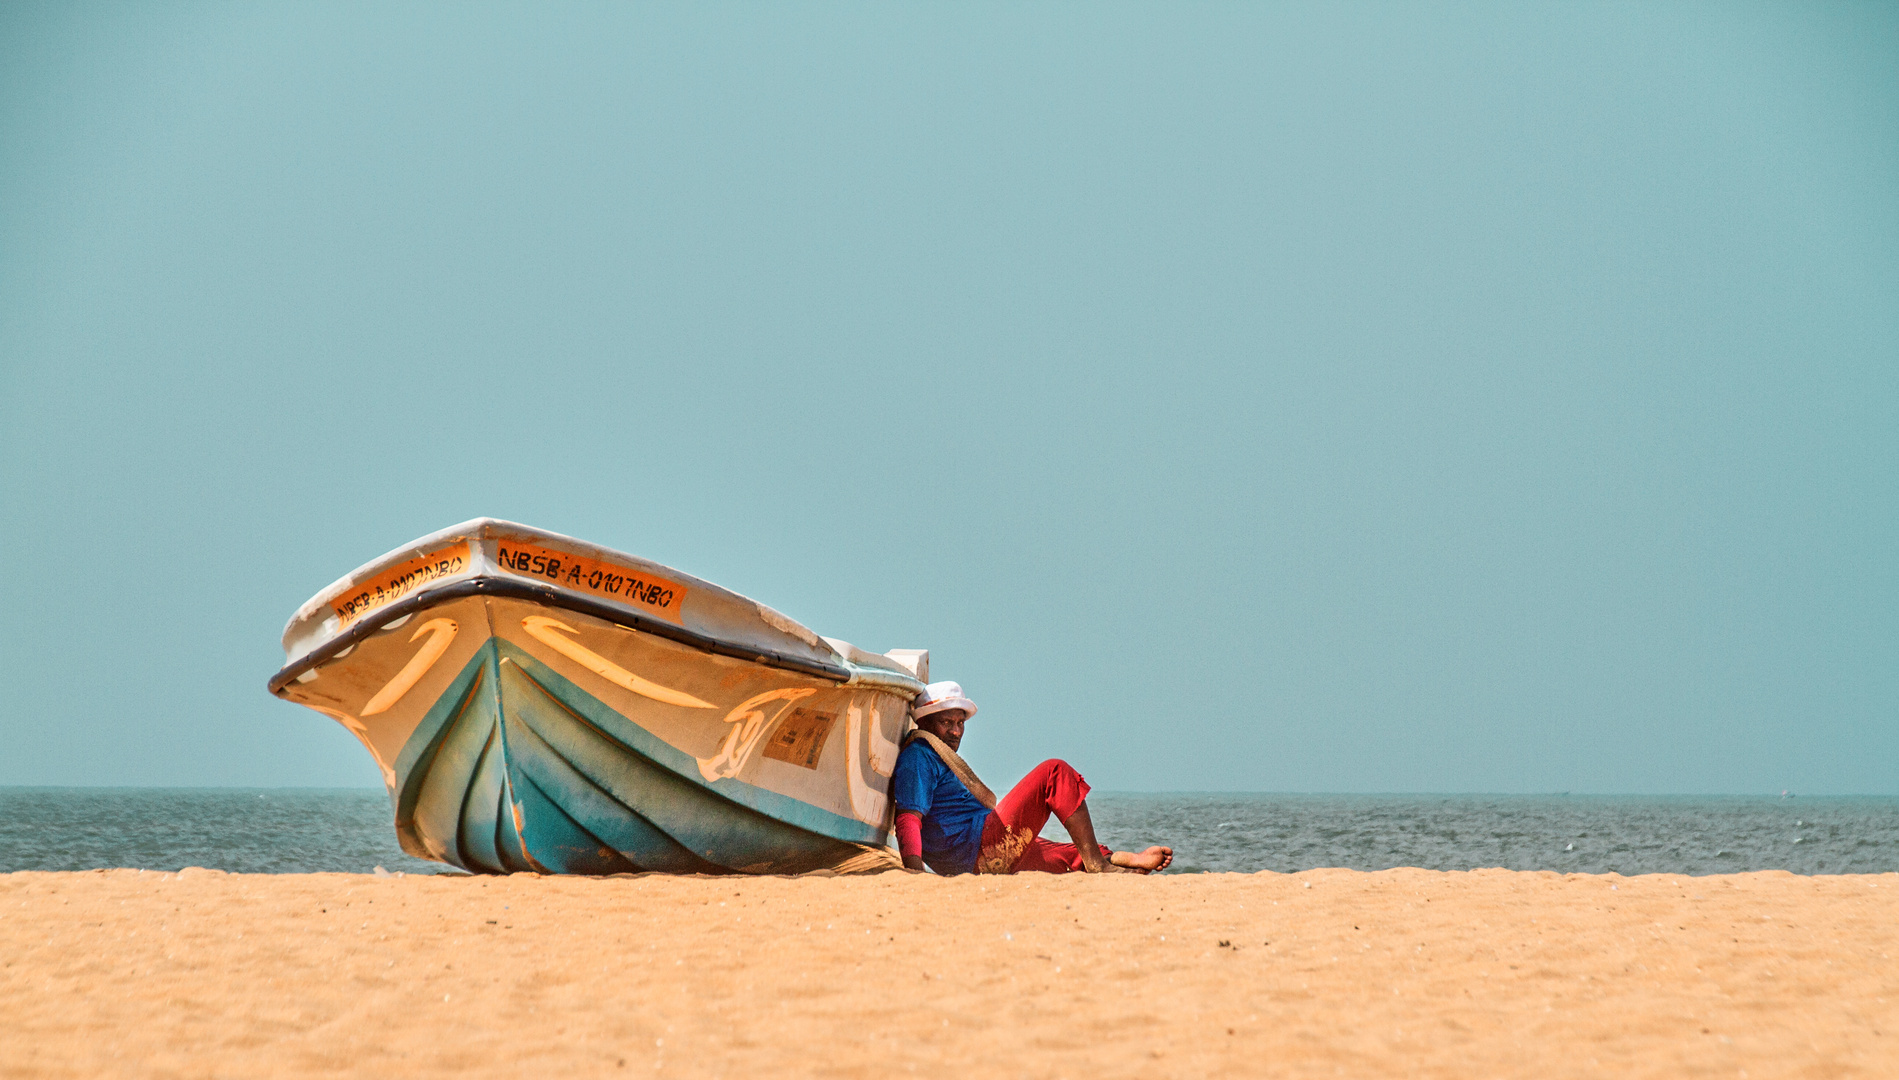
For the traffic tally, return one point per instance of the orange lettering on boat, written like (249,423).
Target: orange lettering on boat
(399,581)
(648,593)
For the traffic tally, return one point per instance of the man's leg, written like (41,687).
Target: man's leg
(1081,829)
(1049,857)
(1053,787)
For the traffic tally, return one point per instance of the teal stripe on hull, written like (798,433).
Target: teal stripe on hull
(469,700)
(681,765)
(517,768)
(477,837)
(599,802)
(556,840)
(443,793)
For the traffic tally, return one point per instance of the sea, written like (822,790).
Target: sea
(303,830)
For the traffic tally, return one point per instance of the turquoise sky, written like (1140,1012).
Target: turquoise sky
(1331,397)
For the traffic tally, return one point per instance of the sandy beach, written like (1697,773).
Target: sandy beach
(1327,973)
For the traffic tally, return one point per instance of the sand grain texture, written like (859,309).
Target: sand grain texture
(1399,973)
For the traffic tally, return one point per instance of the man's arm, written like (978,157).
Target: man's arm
(912,791)
(910,839)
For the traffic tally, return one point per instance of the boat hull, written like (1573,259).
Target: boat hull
(519,734)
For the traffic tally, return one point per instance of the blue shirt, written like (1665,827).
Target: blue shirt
(952,817)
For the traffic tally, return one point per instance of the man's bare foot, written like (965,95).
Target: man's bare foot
(1145,862)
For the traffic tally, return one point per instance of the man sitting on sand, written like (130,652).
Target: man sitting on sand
(950,822)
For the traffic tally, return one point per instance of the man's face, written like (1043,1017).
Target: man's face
(947,726)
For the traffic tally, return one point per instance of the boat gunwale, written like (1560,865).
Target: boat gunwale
(486,584)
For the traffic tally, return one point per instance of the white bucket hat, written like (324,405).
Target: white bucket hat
(942,697)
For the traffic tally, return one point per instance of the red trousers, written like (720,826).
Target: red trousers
(1053,787)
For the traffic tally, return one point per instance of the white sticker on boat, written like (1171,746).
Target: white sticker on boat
(748,724)
(801,737)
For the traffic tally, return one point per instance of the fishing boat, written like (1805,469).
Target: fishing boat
(539,703)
